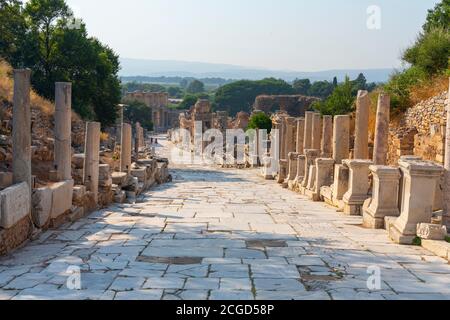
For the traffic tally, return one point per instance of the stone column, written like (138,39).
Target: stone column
(21,160)
(384,201)
(358,191)
(125,149)
(291,131)
(341,138)
(293,159)
(382,130)
(63,126)
(362,126)
(92,158)
(446,218)
(300,135)
(420,179)
(317,131)
(327,137)
(308,130)
(137,139)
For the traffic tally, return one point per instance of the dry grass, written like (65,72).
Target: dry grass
(7,88)
(37,102)
(428,89)
(104,137)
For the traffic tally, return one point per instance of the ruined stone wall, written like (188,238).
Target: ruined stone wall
(421,131)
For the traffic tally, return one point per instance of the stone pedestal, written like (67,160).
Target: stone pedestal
(92,158)
(361,150)
(384,201)
(63,126)
(125,149)
(358,187)
(382,130)
(308,130)
(419,188)
(21,160)
(317,132)
(310,161)
(323,177)
(301,165)
(327,137)
(341,138)
(293,160)
(282,171)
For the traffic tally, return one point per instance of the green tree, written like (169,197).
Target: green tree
(431,51)
(301,86)
(341,100)
(139,112)
(439,17)
(321,89)
(195,86)
(335,82)
(240,95)
(188,101)
(12,30)
(175,92)
(260,120)
(58,51)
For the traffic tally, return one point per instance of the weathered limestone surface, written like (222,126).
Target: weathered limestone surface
(311,156)
(301,166)
(341,138)
(317,131)
(15,204)
(327,137)
(324,170)
(21,160)
(293,162)
(63,125)
(430,231)
(92,158)
(380,150)
(384,201)
(62,198)
(358,187)
(300,135)
(308,130)
(125,149)
(42,201)
(361,150)
(419,188)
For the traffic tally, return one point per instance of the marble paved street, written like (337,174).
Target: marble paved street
(220,234)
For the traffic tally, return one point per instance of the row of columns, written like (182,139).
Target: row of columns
(317,164)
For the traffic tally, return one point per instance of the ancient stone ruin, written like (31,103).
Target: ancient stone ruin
(76,183)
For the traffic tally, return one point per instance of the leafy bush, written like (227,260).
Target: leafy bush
(341,100)
(431,52)
(260,120)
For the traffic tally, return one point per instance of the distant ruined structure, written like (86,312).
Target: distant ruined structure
(163,118)
(294,105)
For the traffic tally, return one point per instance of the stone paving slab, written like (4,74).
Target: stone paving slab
(220,234)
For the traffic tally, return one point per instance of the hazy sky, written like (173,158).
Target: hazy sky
(301,35)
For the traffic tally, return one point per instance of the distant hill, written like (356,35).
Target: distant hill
(169,68)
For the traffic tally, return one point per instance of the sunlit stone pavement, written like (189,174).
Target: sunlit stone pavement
(220,234)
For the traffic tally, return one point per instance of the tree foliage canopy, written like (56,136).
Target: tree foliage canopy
(240,95)
(40,35)
(260,120)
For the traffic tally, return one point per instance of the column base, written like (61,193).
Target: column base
(397,237)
